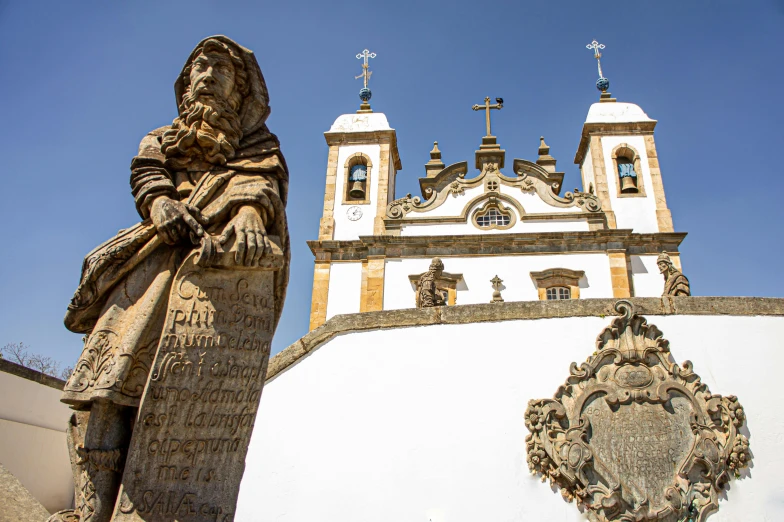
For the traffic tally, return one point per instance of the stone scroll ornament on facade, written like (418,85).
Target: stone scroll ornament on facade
(634,437)
(179,310)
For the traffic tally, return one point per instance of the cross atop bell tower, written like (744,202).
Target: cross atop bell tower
(364,93)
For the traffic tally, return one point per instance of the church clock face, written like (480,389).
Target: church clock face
(354,213)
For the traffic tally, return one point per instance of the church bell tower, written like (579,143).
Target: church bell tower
(362,162)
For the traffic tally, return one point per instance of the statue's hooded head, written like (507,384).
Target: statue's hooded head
(436,265)
(664,263)
(222,98)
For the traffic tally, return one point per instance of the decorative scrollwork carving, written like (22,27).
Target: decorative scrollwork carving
(588,202)
(634,437)
(400,207)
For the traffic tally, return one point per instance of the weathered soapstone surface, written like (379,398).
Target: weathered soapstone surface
(18,505)
(179,310)
(188,450)
(633,436)
(427,293)
(675,283)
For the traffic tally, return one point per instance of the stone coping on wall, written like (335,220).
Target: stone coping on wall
(511,311)
(30,374)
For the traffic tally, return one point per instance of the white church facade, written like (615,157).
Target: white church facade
(390,413)
(492,217)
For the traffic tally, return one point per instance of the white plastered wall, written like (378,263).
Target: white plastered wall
(530,226)
(637,213)
(648,282)
(32,440)
(344,227)
(425,424)
(477,272)
(345,288)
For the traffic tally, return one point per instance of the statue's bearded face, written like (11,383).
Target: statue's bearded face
(664,267)
(212,75)
(209,126)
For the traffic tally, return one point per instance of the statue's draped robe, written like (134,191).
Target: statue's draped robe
(427,293)
(676,285)
(121,301)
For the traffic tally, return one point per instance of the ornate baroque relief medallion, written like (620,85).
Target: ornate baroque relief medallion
(633,436)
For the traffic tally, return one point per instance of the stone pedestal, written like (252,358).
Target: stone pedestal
(187,454)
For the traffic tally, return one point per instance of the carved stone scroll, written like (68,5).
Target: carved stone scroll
(187,454)
(634,437)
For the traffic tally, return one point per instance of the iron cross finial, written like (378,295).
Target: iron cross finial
(499,105)
(596,46)
(365,71)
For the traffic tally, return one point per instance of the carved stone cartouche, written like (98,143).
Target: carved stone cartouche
(633,436)
(675,283)
(180,309)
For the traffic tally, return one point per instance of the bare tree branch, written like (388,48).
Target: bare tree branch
(20,354)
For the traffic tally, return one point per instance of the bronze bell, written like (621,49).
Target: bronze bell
(628,184)
(357,190)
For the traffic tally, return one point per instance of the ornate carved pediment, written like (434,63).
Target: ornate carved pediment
(633,436)
(452,181)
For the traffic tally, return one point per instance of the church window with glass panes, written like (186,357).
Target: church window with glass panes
(493,217)
(556,293)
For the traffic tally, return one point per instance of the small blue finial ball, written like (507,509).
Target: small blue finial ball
(603,84)
(364,94)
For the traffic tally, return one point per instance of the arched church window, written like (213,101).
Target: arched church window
(493,217)
(627,175)
(556,293)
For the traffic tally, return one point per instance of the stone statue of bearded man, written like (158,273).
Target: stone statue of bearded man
(214,179)
(428,293)
(675,283)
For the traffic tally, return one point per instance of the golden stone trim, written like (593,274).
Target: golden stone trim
(320,296)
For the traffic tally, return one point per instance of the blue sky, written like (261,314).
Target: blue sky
(84,81)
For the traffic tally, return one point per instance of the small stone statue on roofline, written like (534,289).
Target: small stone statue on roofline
(179,310)
(675,283)
(427,292)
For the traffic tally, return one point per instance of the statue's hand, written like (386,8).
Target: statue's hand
(174,220)
(252,242)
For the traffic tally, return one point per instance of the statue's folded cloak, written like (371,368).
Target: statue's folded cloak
(121,299)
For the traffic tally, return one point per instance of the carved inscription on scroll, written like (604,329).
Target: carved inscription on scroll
(188,449)
(633,436)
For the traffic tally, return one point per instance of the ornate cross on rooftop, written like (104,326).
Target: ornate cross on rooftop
(487,107)
(365,71)
(602,83)
(596,46)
